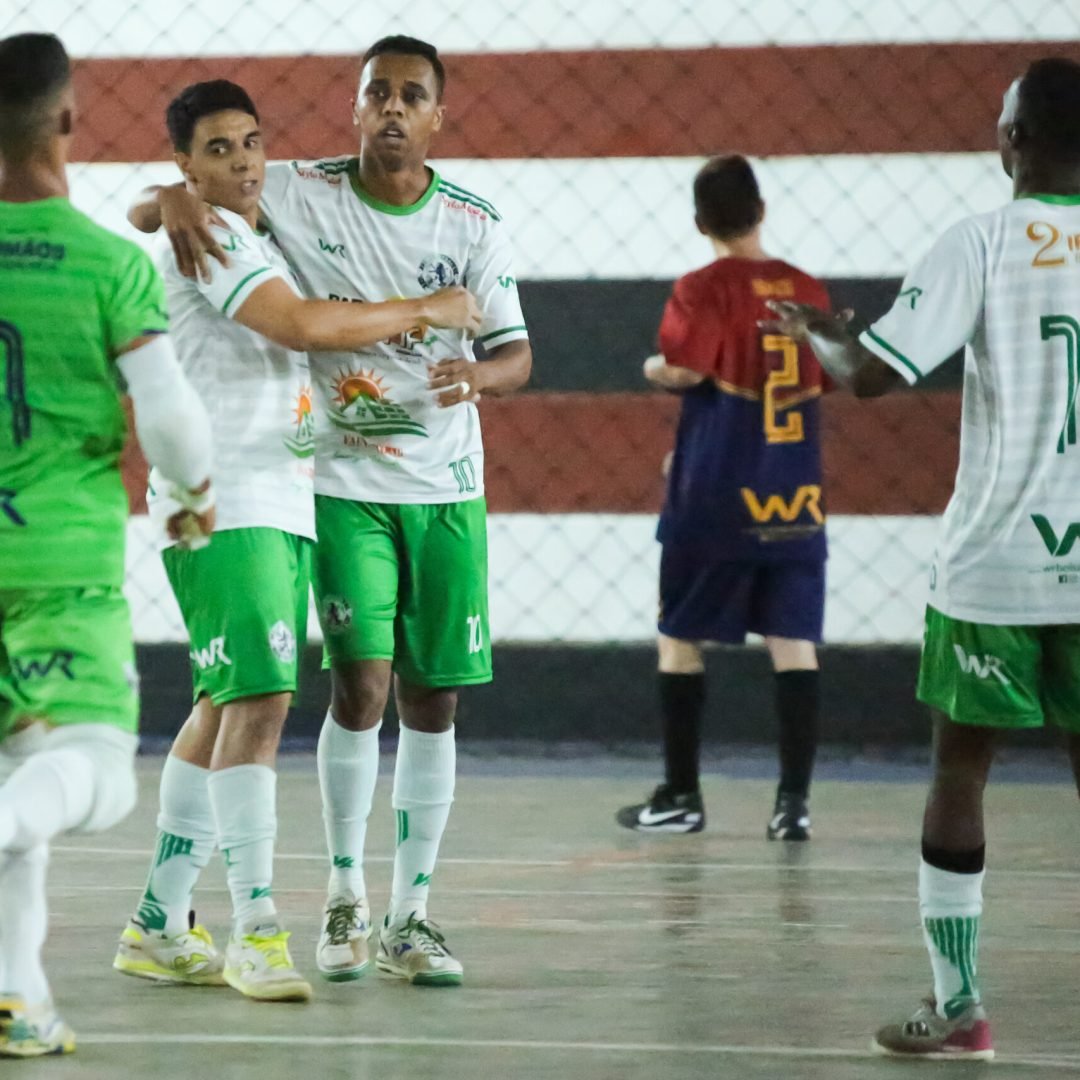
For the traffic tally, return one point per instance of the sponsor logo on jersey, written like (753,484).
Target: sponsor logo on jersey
(58,663)
(1057,546)
(438,272)
(360,406)
(212,656)
(39,250)
(456,204)
(507,281)
(981,667)
(331,249)
(911,295)
(807,497)
(336,614)
(233,243)
(282,642)
(302,441)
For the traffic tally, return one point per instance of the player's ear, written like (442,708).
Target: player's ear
(761,212)
(440,112)
(356,111)
(66,122)
(700,227)
(183,163)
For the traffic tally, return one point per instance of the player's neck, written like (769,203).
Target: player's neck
(397,187)
(41,177)
(1039,179)
(740,247)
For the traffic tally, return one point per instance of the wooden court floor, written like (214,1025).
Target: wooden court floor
(593,952)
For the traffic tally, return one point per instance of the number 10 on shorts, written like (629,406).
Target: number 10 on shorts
(476,634)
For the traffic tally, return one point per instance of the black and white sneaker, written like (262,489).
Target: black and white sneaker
(791,818)
(665,812)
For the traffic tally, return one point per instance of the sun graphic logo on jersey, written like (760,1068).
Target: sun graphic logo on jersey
(361,407)
(302,441)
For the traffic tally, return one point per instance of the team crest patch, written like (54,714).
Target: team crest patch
(336,615)
(438,272)
(282,642)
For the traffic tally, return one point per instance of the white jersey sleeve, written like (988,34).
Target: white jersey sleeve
(491,280)
(938,308)
(248,268)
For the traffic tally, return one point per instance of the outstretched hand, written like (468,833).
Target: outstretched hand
(798,321)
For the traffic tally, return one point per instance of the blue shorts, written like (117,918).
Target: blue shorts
(703,599)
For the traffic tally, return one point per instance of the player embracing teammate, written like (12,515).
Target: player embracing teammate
(400,569)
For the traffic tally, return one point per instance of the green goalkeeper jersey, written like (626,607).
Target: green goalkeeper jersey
(72,296)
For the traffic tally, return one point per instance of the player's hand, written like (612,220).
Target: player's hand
(454,308)
(455,381)
(797,321)
(187,220)
(193,523)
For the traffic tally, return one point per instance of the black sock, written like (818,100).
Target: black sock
(682,700)
(797,708)
(955,862)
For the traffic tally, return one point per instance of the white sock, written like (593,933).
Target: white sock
(951,908)
(348,764)
(423,792)
(48,794)
(243,800)
(185,841)
(23,916)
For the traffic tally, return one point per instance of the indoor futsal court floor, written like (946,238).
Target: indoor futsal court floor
(594,952)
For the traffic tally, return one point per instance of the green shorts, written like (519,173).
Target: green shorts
(244,599)
(406,583)
(66,656)
(1001,676)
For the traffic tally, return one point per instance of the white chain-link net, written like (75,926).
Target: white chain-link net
(871,126)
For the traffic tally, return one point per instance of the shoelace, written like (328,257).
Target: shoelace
(340,919)
(429,938)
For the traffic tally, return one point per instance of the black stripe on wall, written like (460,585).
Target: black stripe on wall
(593,335)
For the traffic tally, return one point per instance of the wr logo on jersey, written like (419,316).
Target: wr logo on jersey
(60,661)
(212,656)
(1057,547)
(981,667)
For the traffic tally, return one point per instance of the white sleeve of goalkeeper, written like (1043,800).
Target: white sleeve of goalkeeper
(170,419)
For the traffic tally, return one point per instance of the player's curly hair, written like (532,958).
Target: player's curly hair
(727,201)
(34,69)
(1049,107)
(203,99)
(403,45)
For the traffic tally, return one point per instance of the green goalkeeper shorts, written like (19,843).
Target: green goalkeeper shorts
(1001,676)
(244,599)
(406,583)
(66,656)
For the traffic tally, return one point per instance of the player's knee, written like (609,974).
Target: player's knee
(427,708)
(679,657)
(99,760)
(359,694)
(792,654)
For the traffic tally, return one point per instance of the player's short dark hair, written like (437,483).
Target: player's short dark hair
(34,68)
(203,99)
(727,200)
(1049,107)
(403,45)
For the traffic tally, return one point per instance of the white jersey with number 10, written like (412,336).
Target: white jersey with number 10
(380,437)
(1005,285)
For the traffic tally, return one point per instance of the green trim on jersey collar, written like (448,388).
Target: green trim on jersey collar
(384,207)
(1060,200)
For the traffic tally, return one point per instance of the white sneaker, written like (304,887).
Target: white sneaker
(416,950)
(258,964)
(342,953)
(27,1032)
(189,957)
